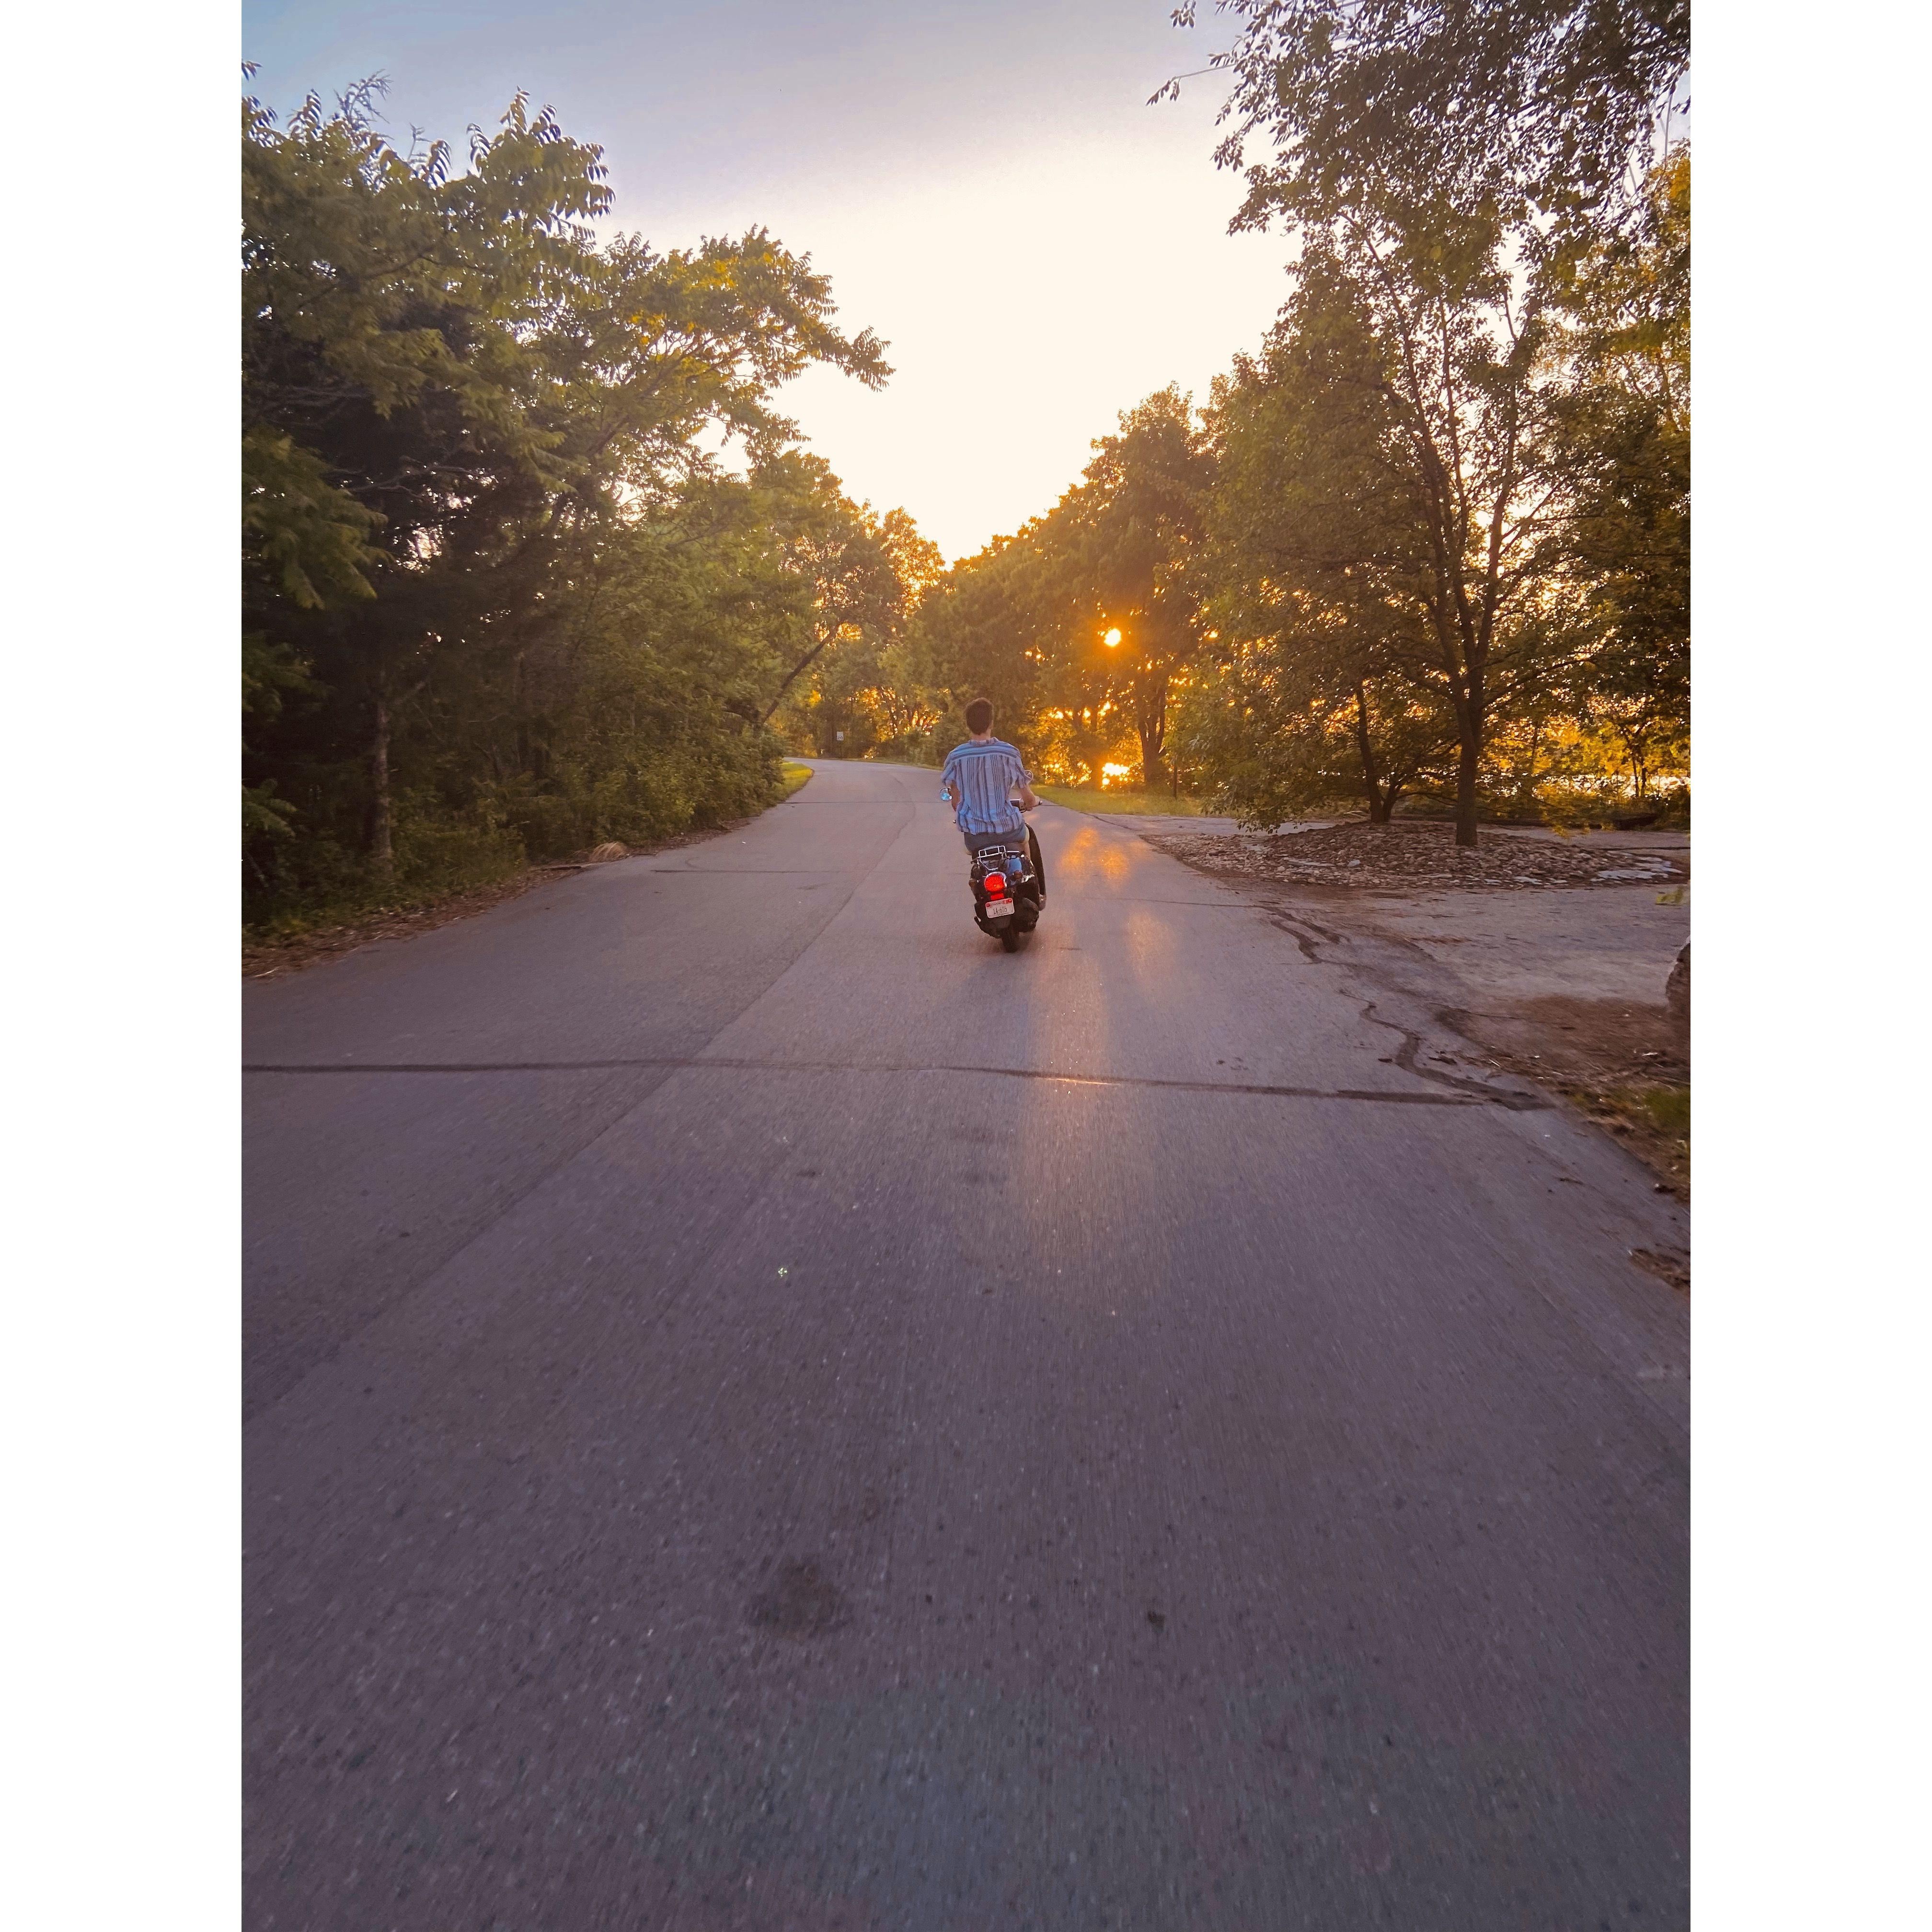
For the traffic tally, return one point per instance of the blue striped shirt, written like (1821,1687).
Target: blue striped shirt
(983,775)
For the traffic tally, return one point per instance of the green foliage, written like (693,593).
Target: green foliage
(1327,680)
(985,630)
(1269,753)
(1625,428)
(301,536)
(1440,120)
(1447,551)
(316,882)
(499,603)
(870,694)
(1444,169)
(1027,622)
(843,564)
(1430,545)
(1132,527)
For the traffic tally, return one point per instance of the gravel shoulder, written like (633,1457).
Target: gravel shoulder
(1412,856)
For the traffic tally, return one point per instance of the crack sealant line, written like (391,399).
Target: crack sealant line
(1474,1092)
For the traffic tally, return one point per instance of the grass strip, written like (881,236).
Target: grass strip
(1086,798)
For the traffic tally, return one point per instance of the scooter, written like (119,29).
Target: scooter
(1006,889)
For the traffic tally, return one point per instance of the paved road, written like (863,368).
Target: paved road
(766,1412)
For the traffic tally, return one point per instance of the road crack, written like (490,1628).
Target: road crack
(1404,1057)
(719,1063)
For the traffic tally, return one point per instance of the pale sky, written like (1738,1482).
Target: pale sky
(980,178)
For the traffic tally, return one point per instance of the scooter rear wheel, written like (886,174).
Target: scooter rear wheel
(1009,940)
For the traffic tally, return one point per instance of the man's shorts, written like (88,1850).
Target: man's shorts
(1021,841)
(1014,841)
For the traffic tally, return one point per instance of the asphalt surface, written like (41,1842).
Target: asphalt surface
(764,1411)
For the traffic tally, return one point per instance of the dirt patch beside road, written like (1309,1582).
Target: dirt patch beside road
(1627,1066)
(1418,855)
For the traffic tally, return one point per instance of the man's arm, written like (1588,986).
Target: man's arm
(1023,786)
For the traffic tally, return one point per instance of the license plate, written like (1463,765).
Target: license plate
(999,908)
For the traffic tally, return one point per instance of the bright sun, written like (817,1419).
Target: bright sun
(1112,638)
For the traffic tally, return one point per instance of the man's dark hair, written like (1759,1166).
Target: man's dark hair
(979,715)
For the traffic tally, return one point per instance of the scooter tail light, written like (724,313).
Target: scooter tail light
(996,885)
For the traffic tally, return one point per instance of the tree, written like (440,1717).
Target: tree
(1442,164)
(1027,623)
(459,412)
(840,559)
(863,689)
(1625,434)
(1323,685)
(1255,728)
(899,697)
(989,627)
(1325,548)
(1547,111)
(1128,531)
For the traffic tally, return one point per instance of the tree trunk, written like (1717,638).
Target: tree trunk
(1471,709)
(797,671)
(1372,781)
(1149,698)
(1469,757)
(1153,734)
(1527,790)
(382,849)
(1153,772)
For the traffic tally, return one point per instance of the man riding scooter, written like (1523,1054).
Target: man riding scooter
(979,780)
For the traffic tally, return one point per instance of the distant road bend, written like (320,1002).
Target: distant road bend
(765,1411)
